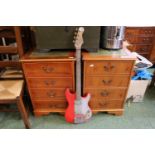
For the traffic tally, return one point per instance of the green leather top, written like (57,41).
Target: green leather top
(49,54)
(109,52)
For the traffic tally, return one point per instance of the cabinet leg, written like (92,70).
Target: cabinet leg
(94,112)
(117,113)
(37,114)
(62,113)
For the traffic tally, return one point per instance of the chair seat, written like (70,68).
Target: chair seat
(10,89)
(11,73)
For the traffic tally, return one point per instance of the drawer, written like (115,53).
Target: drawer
(141,48)
(108,67)
(45,69)
(115,94)
(55,105)
(146,31)
(145,40)
(65,82)
(139,31)
(140,40)
(106,81)
(106,104)
(48,94)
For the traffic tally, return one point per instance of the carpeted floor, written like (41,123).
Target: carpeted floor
(136,116)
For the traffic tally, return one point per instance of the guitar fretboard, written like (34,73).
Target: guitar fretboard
(78,74)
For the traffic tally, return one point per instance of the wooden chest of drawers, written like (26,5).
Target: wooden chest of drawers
(107,79)
(47,80)
(142,40)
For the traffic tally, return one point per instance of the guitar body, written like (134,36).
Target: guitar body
(70,114)
(77,111)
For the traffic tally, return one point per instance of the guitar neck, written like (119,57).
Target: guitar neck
(78,74)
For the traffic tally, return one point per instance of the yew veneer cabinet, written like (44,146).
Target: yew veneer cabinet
(107,77)
(47,76)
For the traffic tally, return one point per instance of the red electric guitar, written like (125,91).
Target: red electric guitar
(78,110)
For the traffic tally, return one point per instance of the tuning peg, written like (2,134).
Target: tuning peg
(81,29)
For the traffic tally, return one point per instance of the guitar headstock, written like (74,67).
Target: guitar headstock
(78,38)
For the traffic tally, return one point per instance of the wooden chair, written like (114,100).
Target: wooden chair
(12,85)
(11,92)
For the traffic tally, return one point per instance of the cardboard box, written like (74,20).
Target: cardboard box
(137,90)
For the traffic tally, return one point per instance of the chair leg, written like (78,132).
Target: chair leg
(23,112)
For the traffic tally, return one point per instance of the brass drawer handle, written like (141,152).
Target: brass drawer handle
(143,49)
(108,68)
(145,39)
(49,82)
(103,103)
(51,94)
(112,67)
(149,31)
(47,69)
(106,81)
(52,82)
(46,82)
(104,93)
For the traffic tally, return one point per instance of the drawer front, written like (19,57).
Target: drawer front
(106,81)
(139,32)
(146,31)
(105,104)
(108,67)
(65,82)
(145,40)
(45,69)
(115,94)
(53,105)
(48,94)
(141,48)
(140,40)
